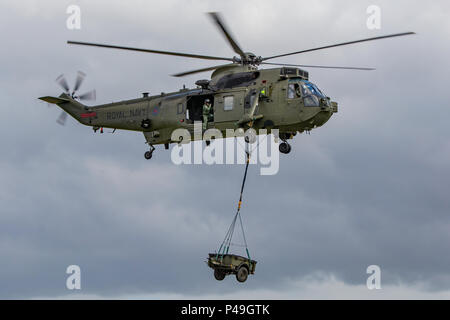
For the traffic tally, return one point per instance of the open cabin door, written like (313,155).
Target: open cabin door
(194,107)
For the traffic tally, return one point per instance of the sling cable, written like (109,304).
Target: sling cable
(224,263)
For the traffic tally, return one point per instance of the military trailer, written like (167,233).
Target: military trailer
(231,264)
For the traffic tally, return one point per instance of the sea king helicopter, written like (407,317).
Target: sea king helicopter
(241,96)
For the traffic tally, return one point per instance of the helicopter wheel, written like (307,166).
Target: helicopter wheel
(148,155)
(284,147)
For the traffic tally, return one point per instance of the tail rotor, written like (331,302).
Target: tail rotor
(87,96)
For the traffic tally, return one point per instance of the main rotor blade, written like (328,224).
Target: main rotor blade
(180,54)
(341,44)
(309,66)
(91,95)
(61,80)
(79,80)
(201,70)
(219,22)
(62,118)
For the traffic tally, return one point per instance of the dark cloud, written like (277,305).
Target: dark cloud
(370,187)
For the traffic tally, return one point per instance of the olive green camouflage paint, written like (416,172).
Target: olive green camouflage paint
(167,112)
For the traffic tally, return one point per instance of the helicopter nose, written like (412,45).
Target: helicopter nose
(334,106)
(324,113)
(327,105)
(320,118)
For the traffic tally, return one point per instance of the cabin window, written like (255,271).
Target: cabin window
(180,108)
(228,102)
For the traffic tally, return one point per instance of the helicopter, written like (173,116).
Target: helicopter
(241,95)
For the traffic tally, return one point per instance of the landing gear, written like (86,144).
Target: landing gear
(148,155)
(284,147)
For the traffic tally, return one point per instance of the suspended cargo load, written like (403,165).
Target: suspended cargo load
(224,265)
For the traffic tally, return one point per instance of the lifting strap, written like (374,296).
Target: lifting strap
(225,246)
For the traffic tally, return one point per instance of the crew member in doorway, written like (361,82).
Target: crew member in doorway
(206,113)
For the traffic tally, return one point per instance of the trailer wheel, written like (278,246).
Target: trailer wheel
(219,275)
(242,274)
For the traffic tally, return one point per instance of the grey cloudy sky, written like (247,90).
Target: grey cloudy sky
(370,187)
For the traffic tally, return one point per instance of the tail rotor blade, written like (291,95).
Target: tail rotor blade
(79,80)
(91,95)
(62,118)
(61,80)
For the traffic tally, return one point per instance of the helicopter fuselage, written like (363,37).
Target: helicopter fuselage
(287,101)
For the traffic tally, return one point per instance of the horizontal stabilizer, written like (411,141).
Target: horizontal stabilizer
(54,100)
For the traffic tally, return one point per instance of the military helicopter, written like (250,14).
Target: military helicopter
(241,95)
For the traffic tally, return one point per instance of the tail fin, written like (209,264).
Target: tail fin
(54,100)
(71,106)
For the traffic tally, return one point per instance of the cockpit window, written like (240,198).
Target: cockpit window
(291,91)
(310,88)
(294,90)
(311,101)
(311,94)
